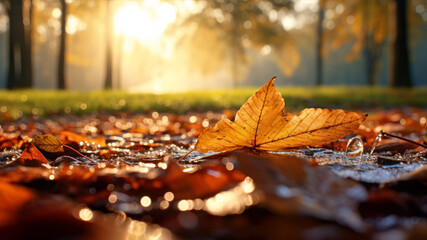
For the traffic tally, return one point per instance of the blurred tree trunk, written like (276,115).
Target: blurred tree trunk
(235,44)
(62,46)
(372,49)
(118,64)
(108,37)
(19,57)
(319,43)
(400,76)
(27,68)
(368,42)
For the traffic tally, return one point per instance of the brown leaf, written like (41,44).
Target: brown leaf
(6,142)
(204,182)
(291,185)
(48,143)
(31,156)
(71,138)
(260,124)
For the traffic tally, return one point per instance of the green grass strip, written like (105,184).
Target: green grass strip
(24,103)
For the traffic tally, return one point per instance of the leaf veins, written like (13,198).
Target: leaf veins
(261,125)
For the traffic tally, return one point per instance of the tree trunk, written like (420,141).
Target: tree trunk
(16,46)
(234,47)
(319,44)
(62,46)
(27,69)
(119,59)
(400,76)
(368,47)
(108,58)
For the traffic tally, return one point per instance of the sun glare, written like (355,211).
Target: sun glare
(145,22)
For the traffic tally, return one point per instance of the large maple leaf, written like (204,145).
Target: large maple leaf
(261,125)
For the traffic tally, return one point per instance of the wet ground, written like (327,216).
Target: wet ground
(134,187)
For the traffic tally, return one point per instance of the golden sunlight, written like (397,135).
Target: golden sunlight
(146,21)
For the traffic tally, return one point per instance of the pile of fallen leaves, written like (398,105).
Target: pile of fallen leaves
(259,174)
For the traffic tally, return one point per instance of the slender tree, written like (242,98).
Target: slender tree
(400,76)
(62,46)
(108,51)
(319,43)
(27,68)
(19,74)
(373,37)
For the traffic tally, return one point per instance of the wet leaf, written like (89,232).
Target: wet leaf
(261,125)
(48,143)
(6,142)
(205,181)
(290,184)
(71,138)
(31,156)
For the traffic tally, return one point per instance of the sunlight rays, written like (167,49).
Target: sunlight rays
(144,22)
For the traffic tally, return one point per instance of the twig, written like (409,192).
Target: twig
(404,139)
(70,148)
(185,155)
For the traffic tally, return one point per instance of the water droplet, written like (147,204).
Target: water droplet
(86,214)
(229,166)
(193,119)
(164,204)
(184,205)
(169,196)
(205,123)
(110,187)
(354,147)
(112,198)
(145,201)
(374,144)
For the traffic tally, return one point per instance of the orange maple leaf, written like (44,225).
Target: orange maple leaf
(261,125)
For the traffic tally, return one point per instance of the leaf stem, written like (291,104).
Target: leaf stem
(404,139)
(185,155)
(79,153)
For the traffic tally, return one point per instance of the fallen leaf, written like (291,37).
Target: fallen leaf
(7,142)
(291,185)
(260,124)
(31,156)
(205,181)
(48,143)
(71,138)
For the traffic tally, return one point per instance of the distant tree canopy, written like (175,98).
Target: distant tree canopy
(210,37)
(362,23)
(223,32)
(367,25)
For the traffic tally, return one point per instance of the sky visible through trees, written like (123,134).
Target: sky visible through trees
(168,46)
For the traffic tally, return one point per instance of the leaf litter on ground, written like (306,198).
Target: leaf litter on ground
(136,185)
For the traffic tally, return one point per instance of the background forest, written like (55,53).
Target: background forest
(180,45)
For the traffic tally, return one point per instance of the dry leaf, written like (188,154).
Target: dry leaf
(260,124)
(31,156)
(71,138)
(48,143)
(6,142)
